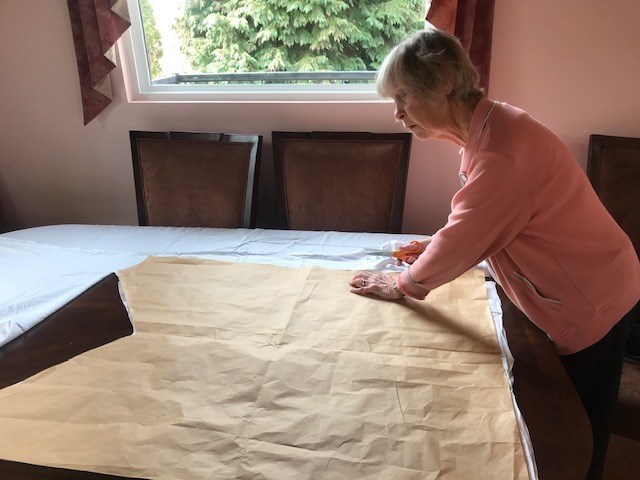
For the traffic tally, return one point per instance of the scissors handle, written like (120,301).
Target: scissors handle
(413,249)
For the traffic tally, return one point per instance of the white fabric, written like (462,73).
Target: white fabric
(43,268)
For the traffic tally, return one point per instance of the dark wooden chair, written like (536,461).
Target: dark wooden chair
(193,179)
(614,171)
(344,181)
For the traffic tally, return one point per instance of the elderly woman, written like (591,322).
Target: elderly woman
(526,207)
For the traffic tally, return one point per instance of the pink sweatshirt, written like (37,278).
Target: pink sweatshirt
(528,208)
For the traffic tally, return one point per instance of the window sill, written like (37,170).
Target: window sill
(253,96)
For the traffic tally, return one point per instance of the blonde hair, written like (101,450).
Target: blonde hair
(427,63)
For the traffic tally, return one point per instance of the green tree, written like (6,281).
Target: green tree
(152,39)
(294,35)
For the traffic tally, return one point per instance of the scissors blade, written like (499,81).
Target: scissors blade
(399,254)
(378,252)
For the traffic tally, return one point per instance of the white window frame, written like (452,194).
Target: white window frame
(140,89)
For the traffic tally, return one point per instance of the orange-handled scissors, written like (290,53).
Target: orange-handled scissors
(413,249)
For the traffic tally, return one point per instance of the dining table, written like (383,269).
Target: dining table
(61,298)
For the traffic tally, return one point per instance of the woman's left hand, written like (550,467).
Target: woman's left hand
(379,284)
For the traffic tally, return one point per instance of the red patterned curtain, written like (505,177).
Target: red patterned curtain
(472,22)
(96,26)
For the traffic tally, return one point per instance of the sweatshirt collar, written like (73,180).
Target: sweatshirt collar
(478,120)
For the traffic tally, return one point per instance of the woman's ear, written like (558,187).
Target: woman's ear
(449,88)
(449,83)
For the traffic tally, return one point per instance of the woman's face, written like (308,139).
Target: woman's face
(425,120)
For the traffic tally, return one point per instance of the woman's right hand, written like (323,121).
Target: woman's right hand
(410,252)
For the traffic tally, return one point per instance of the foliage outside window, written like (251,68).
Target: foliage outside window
(295,42)
(152,39)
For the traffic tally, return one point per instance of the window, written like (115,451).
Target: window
(263,50)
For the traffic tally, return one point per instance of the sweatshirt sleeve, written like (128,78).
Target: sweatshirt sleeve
(486,214)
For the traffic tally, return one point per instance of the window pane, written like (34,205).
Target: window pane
(273,41)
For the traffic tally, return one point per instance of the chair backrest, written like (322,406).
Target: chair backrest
(193,179)
(345,181)
(614,171)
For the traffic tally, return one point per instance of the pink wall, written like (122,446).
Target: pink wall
(572,64)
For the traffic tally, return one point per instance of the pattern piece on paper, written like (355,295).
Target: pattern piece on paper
(241,371)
